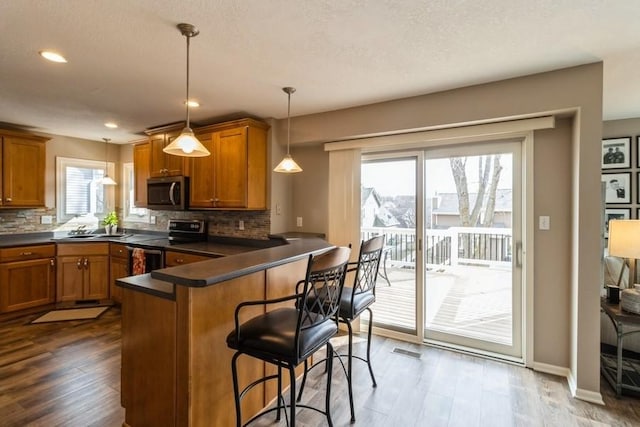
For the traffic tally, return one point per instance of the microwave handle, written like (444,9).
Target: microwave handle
(173,186)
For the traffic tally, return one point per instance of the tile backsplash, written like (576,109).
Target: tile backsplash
(257,224)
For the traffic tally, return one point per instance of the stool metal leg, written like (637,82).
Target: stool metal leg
(350,371)
(236,391)
(292,394)
(304,379)
(328,395)
(279,398)
(373,378)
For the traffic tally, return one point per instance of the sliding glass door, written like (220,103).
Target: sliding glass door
(472,239)
(452,221)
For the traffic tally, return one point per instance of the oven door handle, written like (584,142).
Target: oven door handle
(146,251)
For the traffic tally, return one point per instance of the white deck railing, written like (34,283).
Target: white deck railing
(452,246)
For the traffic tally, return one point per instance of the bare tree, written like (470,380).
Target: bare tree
(484,203)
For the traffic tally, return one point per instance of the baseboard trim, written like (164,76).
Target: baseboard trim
(551,369)
(586,395)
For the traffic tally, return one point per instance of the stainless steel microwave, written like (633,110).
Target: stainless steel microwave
(168,193)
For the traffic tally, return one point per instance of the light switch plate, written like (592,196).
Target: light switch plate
(299,221)
(241,225)
(544,222)
(46,219)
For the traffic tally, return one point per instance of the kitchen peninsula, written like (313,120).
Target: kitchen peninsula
(176,367)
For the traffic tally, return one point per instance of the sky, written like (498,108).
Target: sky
(397,177)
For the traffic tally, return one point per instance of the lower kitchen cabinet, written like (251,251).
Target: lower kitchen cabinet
(27,277)
(173,259)
(119,268)
(83,271)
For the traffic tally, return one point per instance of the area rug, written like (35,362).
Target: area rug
(71,314)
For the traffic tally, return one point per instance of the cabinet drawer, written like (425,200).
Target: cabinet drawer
(82,249)
(119,251)
(23,253)
(173,259)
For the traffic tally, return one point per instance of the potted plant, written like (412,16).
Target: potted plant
(111,223)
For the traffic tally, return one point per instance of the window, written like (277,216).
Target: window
(131,212)
(81,198)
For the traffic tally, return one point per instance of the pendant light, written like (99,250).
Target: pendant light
(106,180)
(288,165)
(187,145)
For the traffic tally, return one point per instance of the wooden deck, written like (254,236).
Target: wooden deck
(464,300)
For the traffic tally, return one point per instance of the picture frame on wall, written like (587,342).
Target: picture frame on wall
(616,153)
(617,187)
(614,213)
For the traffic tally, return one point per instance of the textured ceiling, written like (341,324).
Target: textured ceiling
(127,58)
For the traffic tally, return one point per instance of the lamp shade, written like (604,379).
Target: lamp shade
(624,238)
(186,145)
(288,165)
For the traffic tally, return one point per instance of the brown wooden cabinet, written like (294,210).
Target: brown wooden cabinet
(118,268)
(83,271)
(161,163)
(27,277)
(23,166)
(141,172)
(235,175)
(173,259)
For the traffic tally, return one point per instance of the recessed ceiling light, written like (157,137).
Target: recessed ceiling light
(52,56)
(111,125)
(192,103)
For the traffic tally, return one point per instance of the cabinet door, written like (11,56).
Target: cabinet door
(96,278)
(230,166)
(141,172)
(26,284)
(70,278)
(163,164)
(201,171)
(119,268)
(23,172)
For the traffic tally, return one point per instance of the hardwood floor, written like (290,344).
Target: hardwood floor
(68,374)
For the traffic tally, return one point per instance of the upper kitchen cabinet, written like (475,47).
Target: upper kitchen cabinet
(23,166)
(161,163)
(234,176)
(141,171)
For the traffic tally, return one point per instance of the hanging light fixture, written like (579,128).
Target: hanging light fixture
(106,180)
(288,165)
(187,144)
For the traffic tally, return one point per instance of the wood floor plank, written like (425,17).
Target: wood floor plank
(68,374)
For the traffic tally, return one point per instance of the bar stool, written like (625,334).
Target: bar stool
(287,336)
(354,301)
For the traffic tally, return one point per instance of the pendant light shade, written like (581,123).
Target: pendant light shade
(187,145)
(288,165)
(106,180)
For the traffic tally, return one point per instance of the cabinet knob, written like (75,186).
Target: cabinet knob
(52,262)
(8,199)
(26,253)
(86,263)
(79,263)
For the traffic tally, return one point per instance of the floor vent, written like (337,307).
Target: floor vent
(409,353)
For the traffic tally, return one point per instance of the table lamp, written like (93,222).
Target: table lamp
(624,242)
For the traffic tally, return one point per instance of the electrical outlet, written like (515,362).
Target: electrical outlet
(241,225)
(46,219)
(299,221)
(152,219)
(278,209)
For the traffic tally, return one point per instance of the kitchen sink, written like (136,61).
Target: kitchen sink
(81,236)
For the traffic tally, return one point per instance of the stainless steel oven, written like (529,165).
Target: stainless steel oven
(148,255)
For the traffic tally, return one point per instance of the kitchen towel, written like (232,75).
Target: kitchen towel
(138,261)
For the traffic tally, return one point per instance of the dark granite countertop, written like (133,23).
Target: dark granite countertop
(216,270)
(27,239)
